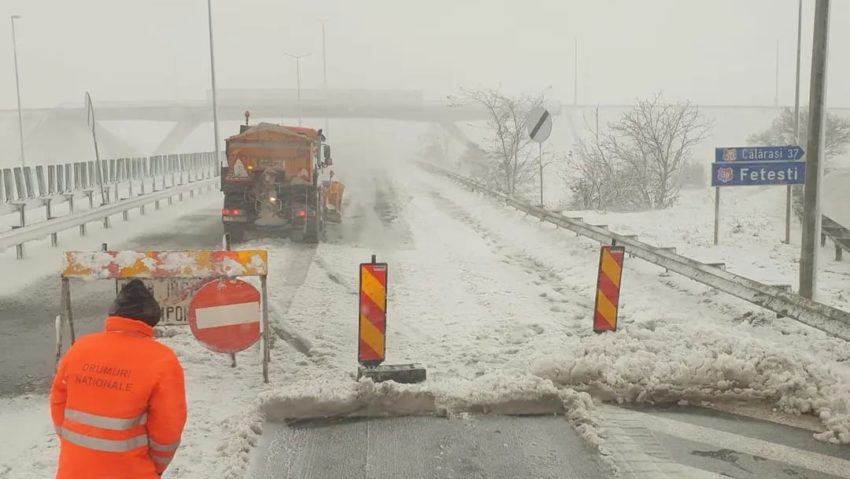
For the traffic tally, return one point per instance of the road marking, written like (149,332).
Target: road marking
(756,447)
(637,452)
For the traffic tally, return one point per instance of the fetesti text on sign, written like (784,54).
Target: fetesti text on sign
(758,173)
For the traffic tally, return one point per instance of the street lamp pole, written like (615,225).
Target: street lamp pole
(104,198)
(18,87)
(212,75)
(325,76)
(298,79)
(575,71)
(815,150)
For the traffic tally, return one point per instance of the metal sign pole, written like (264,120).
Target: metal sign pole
(541,174)
(226,244)
(539,125)
(58,325)
(66,307)
(266,350)
(212,81)
(788,214)
(716,215)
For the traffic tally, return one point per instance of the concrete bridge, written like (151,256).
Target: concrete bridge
(53,132)
(127,129)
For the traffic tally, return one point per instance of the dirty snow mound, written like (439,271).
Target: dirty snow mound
(655,364)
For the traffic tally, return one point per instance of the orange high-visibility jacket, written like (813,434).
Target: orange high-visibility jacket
(118,404)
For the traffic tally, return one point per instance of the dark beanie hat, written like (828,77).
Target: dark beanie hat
(134,301)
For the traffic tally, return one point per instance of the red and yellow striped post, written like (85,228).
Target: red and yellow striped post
(608,288)
(373,314)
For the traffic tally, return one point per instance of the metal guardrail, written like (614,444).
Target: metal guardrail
(46,185)
(839,235)
(780,300)
(37,231)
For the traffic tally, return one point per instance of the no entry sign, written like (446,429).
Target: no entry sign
(225,315)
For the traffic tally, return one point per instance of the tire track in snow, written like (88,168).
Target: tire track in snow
(478,323)
(287,275)
(318,327)
(562,293)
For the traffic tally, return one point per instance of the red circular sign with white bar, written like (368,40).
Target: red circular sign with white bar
(224,315)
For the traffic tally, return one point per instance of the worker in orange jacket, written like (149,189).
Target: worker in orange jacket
(118,400)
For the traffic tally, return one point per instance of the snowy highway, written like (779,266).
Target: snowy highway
(497,306)
(464,240)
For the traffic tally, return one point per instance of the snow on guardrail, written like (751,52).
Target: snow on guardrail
(833,321)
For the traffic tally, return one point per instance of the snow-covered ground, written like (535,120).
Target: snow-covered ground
(497,307)
(678,339)
(752,219)
(752,231)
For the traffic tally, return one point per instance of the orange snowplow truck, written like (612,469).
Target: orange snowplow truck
(273,183)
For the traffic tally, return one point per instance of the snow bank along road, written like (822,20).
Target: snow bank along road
(497,307)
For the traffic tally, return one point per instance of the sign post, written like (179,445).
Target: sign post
(372,330)
(716,216)
(539,125)
(225,314)
(755,166)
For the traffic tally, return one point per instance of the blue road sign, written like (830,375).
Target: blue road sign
(758,173)
(758,153)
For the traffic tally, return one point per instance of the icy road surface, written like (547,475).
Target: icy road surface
(665,443)
(497,447)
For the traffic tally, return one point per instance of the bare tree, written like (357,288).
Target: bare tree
(592,174)
(638,161)
(781,132)
(656,140)
(508,142)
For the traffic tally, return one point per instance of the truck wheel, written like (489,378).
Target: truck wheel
(311,235)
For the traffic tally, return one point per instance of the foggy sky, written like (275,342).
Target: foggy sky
(711,52)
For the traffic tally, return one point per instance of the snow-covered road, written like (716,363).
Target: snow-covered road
(497,306)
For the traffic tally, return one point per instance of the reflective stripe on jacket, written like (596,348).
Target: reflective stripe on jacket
(118,404)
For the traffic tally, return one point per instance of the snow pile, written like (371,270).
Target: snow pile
(235,453)
(336,398)
(659,354)
(652,363)
(497,393)
(491,394)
